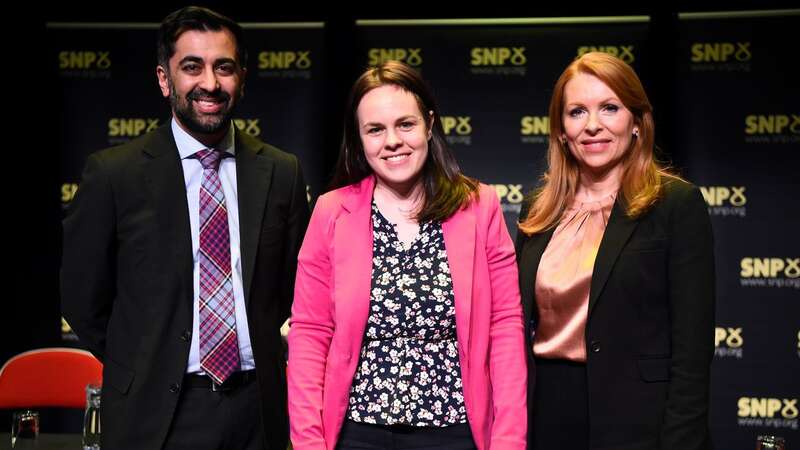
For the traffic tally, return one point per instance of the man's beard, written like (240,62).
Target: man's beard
(183,108)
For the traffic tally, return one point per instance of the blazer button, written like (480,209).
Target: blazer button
(595,346)
(186,336)
(174,388)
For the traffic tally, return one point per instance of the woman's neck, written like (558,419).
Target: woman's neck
(594,186)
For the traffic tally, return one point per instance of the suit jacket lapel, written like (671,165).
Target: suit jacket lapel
(163,174)
(253,178)
(618,230)
(352,260)
(459,241)
(529,258)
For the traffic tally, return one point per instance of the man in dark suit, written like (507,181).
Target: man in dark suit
(179,259)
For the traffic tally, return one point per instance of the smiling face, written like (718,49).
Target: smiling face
(597,127)
(394,135)
(204,81)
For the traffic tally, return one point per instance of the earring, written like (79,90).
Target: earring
(636,132)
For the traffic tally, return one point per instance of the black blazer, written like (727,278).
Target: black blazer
(126,278)
(650,328)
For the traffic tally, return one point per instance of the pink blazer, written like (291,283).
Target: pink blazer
(331,306)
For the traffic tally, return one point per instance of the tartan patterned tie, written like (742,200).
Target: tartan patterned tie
(219,348)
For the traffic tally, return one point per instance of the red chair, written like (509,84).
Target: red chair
(48,377)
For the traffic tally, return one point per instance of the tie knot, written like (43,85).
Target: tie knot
(209,158)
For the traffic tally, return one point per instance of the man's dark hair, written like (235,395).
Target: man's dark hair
(198,19)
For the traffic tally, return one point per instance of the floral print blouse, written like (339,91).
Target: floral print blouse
(409,372)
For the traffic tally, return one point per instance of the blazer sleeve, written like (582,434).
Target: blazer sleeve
(691,282)
(507,365)
(312,325)
(88,263)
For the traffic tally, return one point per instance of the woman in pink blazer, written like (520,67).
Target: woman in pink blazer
(407,328)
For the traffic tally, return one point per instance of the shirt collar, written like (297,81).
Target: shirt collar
(188,146)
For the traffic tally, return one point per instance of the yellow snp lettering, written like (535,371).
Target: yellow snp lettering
(497,56)
(758,407)
(720,51)
(776,266)
(771,124)
(284,59)
(767,407)
(412,56)
(512,193)
(769,267)
(535,125)
(760,267)
(460,124)
(731,337)
(717,195)
(130,127)
(84,59)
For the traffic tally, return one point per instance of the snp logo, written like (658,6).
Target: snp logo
(509,193)
(459,125)
(71,59)
(770,267)
(728,337)
(284,60)
(772,124)
(535,126)
(623,52)
(457,129)
(498,56)
(721,52)
(724,195)
(768,407)
(728,342)
(410,56)
(249,126)
(119,127)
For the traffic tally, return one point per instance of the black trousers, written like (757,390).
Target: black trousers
(223,420)
(560,406)
(360,436)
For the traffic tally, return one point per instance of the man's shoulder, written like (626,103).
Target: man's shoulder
(120,155)
(266,150)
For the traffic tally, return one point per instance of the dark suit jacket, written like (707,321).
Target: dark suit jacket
(649,333)
(126,278)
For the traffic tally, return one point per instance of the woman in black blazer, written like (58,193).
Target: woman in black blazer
(616,275)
